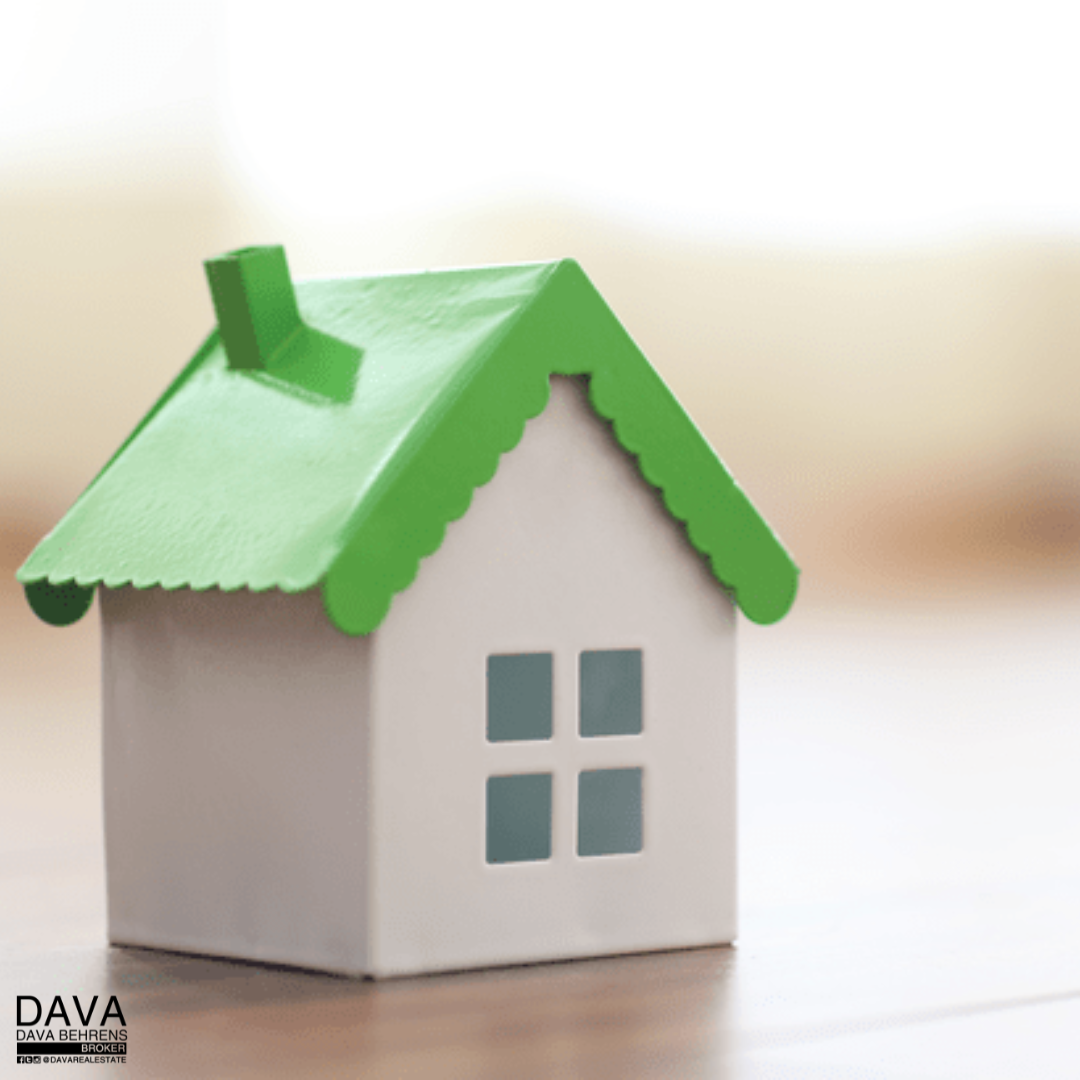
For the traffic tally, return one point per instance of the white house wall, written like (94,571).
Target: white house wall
(235,729)
(565,550)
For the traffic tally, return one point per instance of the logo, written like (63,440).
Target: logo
(49,1034)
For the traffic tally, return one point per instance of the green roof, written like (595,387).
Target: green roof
(335,451)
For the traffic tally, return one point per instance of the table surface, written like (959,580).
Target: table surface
(909,891)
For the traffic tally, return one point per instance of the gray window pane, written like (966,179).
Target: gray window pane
(519,818)
(609,812)
(610,688)
(519,697)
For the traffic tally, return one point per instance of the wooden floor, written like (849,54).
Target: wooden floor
(910,832)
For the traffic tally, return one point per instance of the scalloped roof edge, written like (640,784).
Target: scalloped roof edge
(564,328)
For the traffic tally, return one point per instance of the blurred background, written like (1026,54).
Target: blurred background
(847,235)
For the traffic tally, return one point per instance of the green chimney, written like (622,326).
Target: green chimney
(255,304)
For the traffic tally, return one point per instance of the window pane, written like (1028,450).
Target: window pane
(609,812)
(610,688)
(519,697)
(518,818)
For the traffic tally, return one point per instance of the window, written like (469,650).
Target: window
(609,807)
(519,818)
(609,812)
(610,689)
(519,697)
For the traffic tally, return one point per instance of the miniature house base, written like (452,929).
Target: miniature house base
(277,790)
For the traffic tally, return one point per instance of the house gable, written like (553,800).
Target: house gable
(565,555)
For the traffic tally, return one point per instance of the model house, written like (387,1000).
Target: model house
(418,599)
